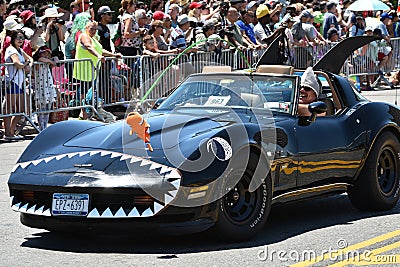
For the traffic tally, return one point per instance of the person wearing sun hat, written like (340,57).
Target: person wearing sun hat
(11,25)
(262,31)
(30,29)
(54,33)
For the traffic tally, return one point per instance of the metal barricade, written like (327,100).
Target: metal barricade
(396,52)
(113,86)
(15,97)
(227,57)
(72,94)
(365,60)
(201,59)
(152,69)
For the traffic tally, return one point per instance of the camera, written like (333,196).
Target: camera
(226,31)
(224,7)
(144,33)
(59,21)
(195,24)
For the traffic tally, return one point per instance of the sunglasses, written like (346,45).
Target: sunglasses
(306,88)
(109,13)
(20,37)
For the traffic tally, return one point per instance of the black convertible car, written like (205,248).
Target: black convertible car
(225,146)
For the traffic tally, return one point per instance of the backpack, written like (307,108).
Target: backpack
(117,37)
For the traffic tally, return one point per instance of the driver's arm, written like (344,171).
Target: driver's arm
(302,110)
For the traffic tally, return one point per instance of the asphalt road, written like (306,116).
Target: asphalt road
(295,232)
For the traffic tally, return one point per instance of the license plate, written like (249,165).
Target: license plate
(70,204)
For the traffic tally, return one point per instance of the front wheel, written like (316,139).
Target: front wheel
(241,213)
(378,185)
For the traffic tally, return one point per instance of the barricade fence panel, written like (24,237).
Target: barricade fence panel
(152,69)
(116,80)
(14,91)
(62,88)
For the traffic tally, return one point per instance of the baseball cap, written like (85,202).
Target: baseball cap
(369,28)
(262,10)
(251,4)
(208,24)
(306,14)
(182,19)
(104,9)
(158,15)
(330,4)
(194,5)
(385,15)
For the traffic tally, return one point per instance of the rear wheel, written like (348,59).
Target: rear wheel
(241,213)
(378,185)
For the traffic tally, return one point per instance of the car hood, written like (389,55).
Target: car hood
(166,130)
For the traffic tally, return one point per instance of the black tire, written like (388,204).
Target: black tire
(241,214)
(378,185)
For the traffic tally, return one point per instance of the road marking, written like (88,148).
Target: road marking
(351,248)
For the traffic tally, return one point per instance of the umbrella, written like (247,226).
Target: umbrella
(15,1)
(368,5)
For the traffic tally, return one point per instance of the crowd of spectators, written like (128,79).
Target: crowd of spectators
(171,26)
(212,25)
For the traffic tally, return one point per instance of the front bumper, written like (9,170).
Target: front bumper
(115,226)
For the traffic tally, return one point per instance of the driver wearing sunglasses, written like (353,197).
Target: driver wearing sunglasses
(310,89)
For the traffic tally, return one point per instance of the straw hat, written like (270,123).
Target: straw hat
(11,25)
(52,13)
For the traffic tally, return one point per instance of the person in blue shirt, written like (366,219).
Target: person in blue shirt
(246,27)
(330,19)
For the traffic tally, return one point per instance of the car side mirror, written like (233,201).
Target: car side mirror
(158,102)
(316,108)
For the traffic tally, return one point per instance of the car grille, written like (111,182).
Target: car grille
(102,200)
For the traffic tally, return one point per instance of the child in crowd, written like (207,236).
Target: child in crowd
(45,92)
(149,48)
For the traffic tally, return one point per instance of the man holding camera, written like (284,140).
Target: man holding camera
(55,30)
(178,34)
(262,30)
(233,33)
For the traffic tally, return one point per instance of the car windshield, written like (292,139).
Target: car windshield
(234,91)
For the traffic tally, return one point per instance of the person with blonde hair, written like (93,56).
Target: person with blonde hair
(88,47)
